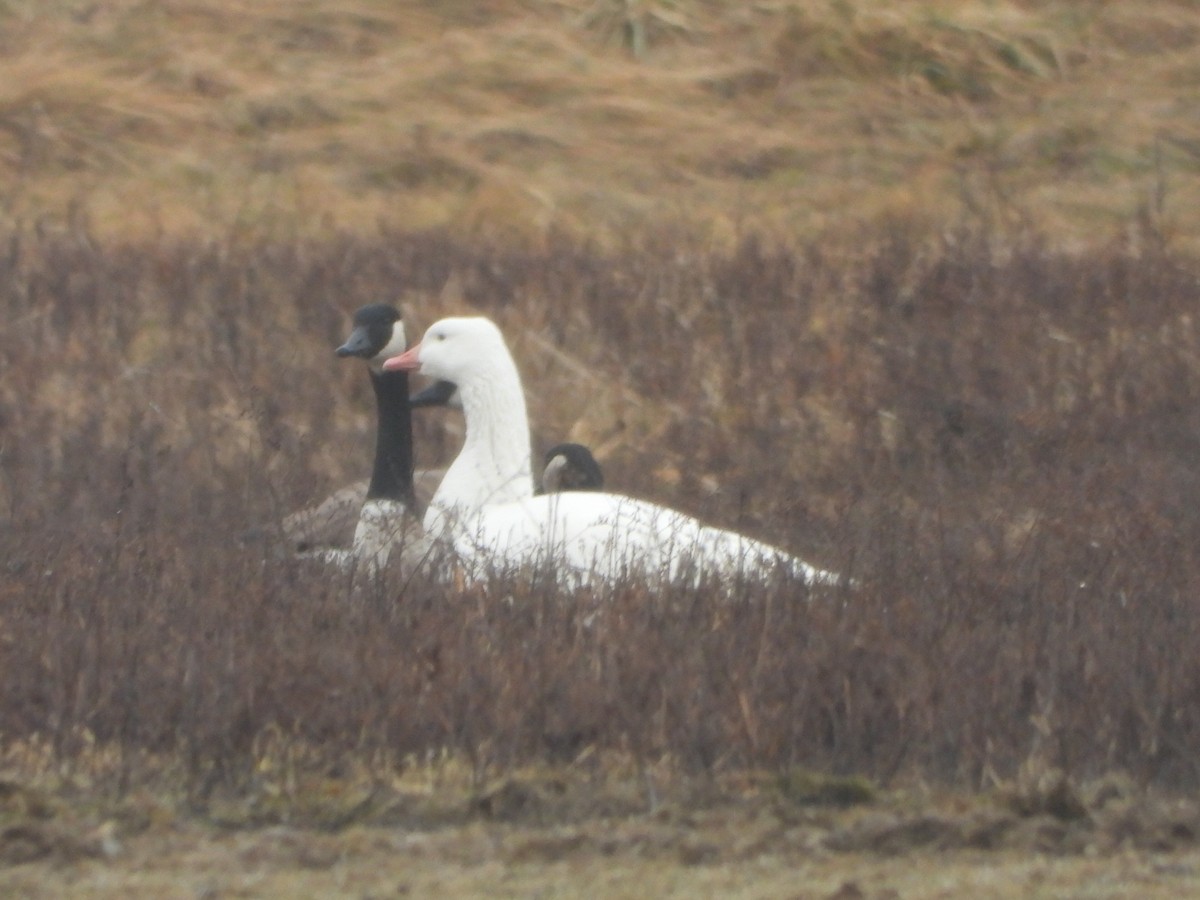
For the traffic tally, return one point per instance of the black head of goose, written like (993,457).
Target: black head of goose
(571,467)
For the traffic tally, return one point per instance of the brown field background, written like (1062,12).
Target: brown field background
(512,118)
(909,289)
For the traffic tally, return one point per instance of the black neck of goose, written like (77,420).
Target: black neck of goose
(392,477)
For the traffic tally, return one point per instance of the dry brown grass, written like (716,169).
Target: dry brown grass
(996,440)
(515,118)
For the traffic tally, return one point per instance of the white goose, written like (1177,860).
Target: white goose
(486,509)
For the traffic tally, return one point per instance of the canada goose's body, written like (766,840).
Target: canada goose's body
(486,509)
(328,524)
(332,522)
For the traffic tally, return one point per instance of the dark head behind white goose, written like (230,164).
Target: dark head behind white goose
(485,507)
(571,467)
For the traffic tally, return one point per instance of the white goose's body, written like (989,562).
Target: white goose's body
(488,514)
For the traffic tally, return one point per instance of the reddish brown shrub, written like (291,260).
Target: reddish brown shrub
(1000,442)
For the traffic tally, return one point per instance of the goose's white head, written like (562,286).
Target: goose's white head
(378,333)
(456,350)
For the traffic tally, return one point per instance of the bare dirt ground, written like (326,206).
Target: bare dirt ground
(754,845)
(506,862)
(598,831)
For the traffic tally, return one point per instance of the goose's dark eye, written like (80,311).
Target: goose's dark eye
(440,336)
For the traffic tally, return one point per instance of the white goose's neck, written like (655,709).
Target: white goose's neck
(494,463)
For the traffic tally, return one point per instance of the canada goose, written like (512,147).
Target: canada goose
(387,516)
(485,507)
(377,332)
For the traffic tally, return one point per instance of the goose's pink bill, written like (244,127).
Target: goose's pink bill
(405,362)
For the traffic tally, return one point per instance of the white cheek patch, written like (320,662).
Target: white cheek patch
(396,345)
(552,475)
